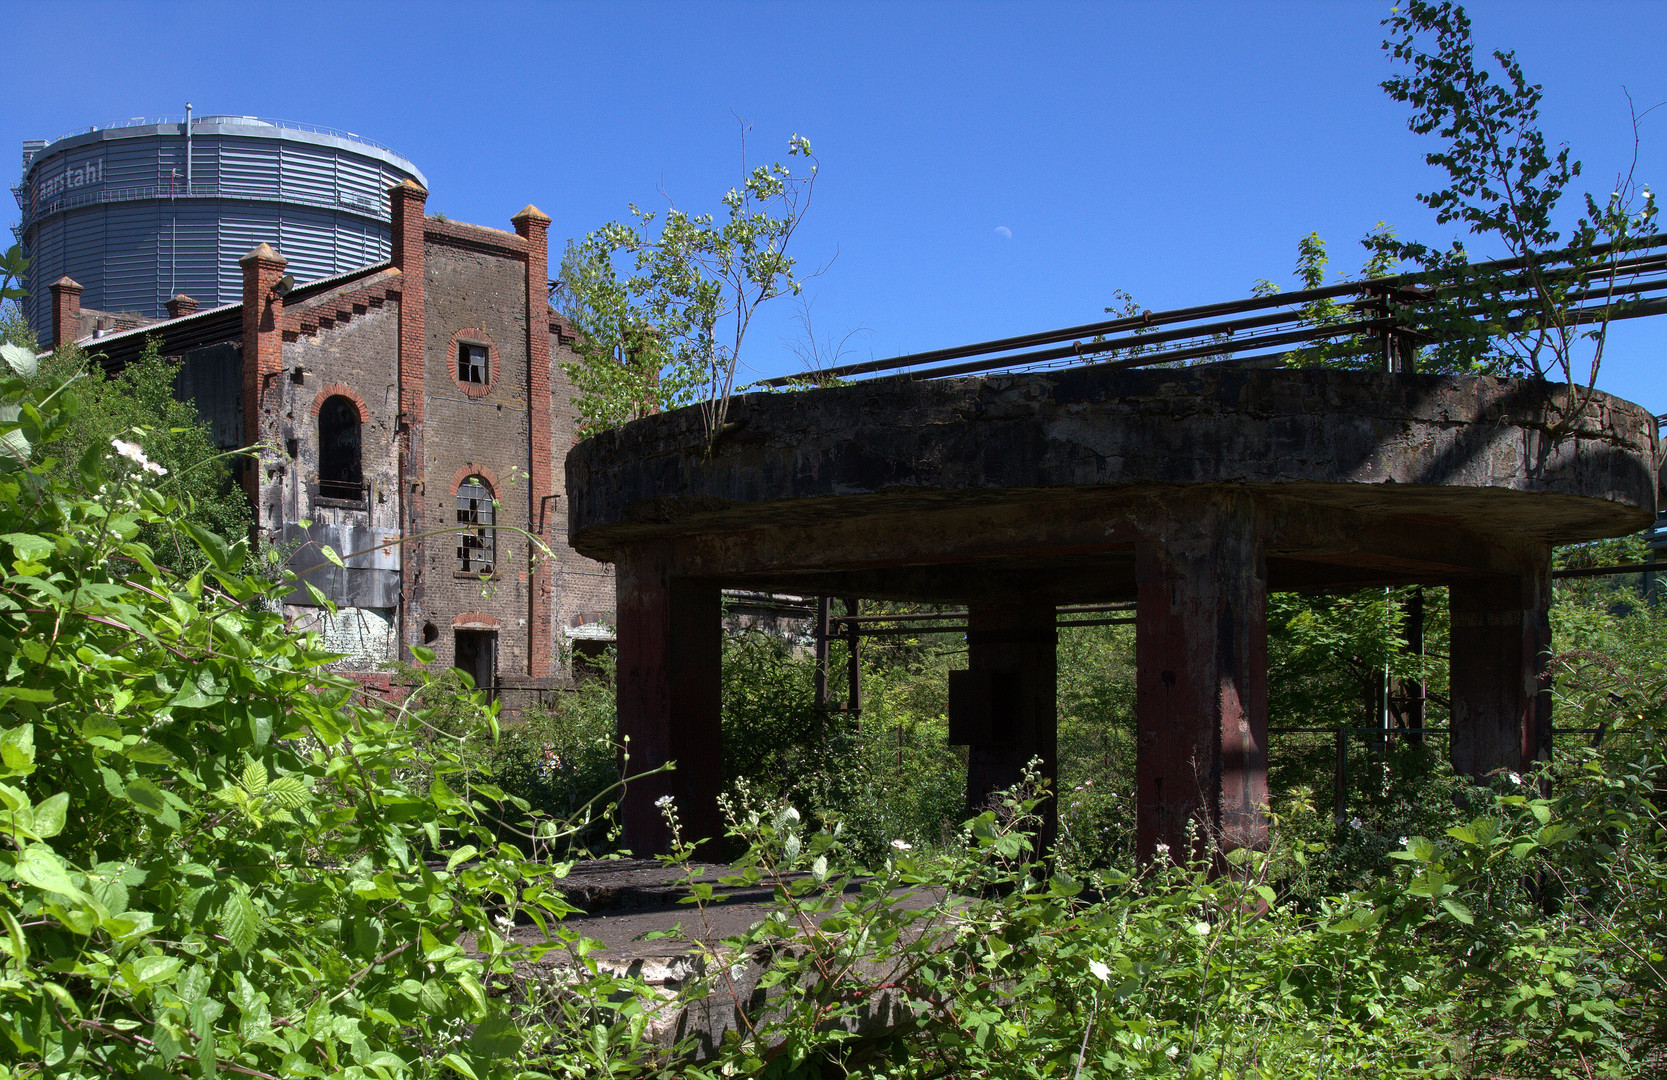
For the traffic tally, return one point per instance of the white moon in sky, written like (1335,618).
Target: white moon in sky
(1004,232)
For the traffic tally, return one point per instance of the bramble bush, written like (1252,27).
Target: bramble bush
(216,860)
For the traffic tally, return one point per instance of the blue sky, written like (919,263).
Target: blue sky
(987,169)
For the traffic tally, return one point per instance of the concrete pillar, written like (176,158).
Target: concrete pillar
(669,698)
(1201,660)
(1010,690)
(1500,689)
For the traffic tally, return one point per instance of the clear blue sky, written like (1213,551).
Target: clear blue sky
(1175,150)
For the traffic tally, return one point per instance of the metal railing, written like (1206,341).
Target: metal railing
(198,121)
(1377,317)
(88,197)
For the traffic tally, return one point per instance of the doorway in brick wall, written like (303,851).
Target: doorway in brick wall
(476,652)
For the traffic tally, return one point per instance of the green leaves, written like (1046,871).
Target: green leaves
(240,919)
(17,750)
(40,866)
(671,330)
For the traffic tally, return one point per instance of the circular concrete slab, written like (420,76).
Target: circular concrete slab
(1329,455)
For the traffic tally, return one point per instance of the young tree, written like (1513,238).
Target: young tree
(1549,318)
(14,327)
(141,398)
(663,303)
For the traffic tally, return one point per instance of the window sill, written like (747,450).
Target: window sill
(459,575)
(342,504)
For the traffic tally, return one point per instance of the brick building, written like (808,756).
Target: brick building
(413,416)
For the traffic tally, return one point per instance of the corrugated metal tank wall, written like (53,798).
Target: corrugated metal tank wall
(110,208)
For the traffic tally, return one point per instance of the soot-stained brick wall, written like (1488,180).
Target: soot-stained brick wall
(584,588)
(478,295)
(358,361)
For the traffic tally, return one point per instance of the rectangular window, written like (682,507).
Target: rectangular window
(473,364)
(474,513)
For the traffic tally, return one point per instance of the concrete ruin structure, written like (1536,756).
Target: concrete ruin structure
(1193,492)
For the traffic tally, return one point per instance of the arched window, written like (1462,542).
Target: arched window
(340,475)
(474,513)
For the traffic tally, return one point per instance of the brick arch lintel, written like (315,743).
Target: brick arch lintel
(476,620)
(481,471)
(475,335)
(341,390)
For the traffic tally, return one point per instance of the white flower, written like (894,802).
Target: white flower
(1202,929)
(135,453)
(1100,971)
(1403,841)
(902,845)
(1163,848)
(663,802)
(504,922)
(1355,823)
(1171,1052)
(132,451)
(1515,779)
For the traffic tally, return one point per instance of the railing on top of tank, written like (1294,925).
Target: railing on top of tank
(197,121)
(1381,318)
(88,197)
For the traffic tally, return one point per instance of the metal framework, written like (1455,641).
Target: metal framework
(1263,331)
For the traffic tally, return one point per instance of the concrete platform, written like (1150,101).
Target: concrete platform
(1193,492)
(623,900)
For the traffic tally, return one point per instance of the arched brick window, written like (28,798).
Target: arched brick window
(340,472)
(475,546)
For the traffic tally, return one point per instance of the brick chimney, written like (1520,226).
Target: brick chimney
(405,208)
(181,306)
(66,311)
(533,226)
(263,344)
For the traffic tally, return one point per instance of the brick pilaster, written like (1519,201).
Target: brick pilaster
(405,204)
(533,226)
(263,345)
(66,311)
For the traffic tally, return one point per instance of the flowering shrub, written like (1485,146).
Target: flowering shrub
(214,858)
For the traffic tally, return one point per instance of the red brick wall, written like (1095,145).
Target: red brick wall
(583,588)
(475,279)
(405,205)
(263,346)
(533,226)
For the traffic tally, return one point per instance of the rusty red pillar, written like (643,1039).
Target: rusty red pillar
(1499,685)
(1201,659)
(669,698)
(1012,672)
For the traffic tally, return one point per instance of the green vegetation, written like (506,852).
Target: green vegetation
(141,398)
(670,331)
(219,858)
